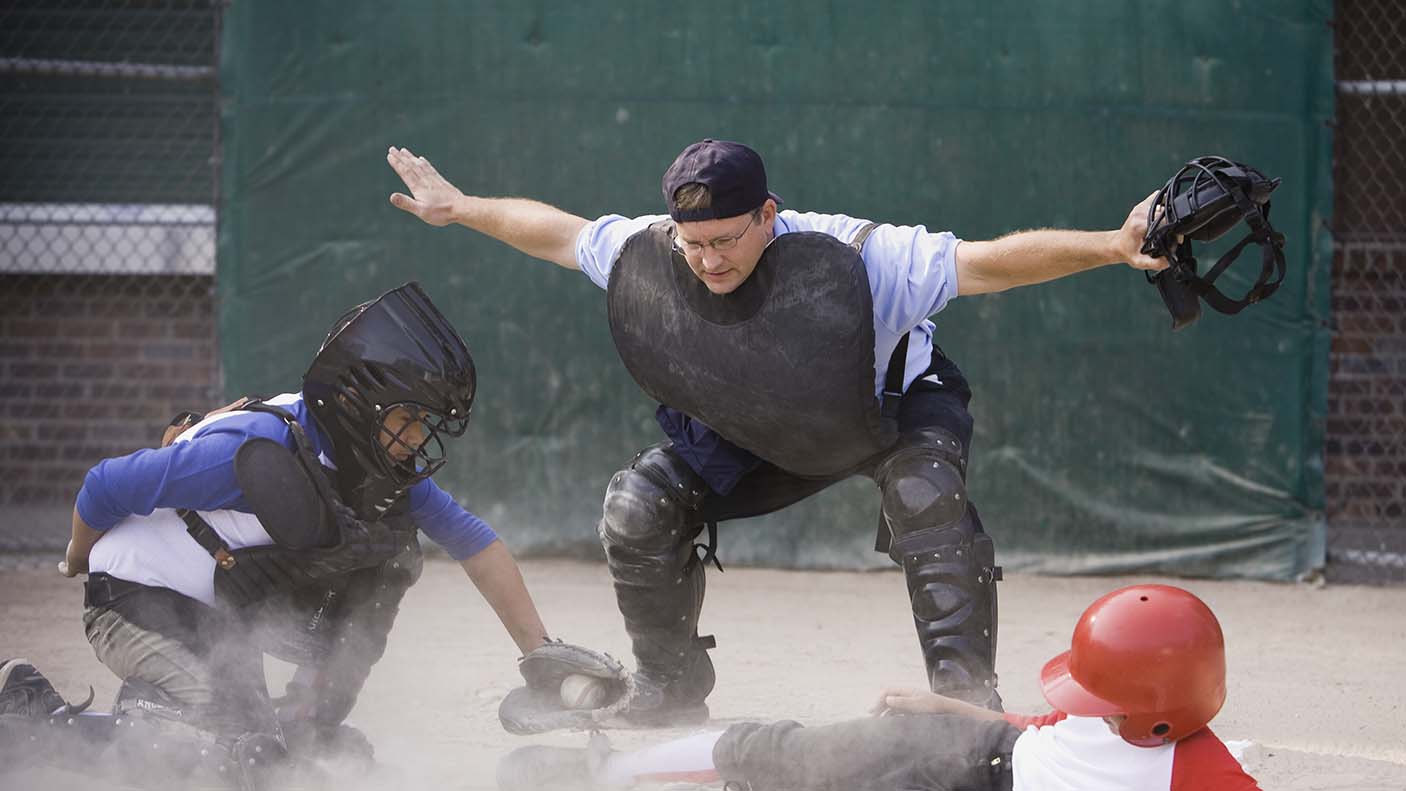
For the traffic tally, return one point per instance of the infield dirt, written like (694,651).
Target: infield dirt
(1316,673)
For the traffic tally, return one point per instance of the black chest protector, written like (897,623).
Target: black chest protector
(783,366)
(344,542)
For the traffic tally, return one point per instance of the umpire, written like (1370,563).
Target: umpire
(788,351)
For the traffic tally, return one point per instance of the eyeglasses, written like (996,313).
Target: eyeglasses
(721,244)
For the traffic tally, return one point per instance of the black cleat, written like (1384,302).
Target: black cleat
(25,692)
(650,705)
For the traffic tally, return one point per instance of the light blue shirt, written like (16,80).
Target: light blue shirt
(912,274)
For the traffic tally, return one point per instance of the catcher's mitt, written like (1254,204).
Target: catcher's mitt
(537,707)
(1202,202)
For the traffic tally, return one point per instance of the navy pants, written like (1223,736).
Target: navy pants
(938,398)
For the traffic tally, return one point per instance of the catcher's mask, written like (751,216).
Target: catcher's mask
(1202,202)
(1153,653)
(392,377)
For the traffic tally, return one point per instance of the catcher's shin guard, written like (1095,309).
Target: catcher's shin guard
(153,736)
(37,726)
(360,630)
(948,565)
(646,527)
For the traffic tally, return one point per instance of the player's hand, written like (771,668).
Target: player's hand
(1128,241)
(72,565)
(237,403)
(432,198)
(912,701)
(185,420)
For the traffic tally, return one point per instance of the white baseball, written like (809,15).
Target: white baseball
(582,692)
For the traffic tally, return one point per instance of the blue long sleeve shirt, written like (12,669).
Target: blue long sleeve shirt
(198,473)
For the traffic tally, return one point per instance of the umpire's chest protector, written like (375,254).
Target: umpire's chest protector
(783,366)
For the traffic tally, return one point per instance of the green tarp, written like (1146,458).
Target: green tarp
(1104,442)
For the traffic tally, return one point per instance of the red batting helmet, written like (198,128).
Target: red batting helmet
(1153,653)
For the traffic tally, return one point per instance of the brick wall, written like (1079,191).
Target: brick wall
(93,366)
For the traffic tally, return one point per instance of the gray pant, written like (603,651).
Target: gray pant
(898,753)
(202,661)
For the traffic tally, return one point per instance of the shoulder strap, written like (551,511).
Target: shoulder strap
(898,361)
(862,237)
(893,379)
(303,447)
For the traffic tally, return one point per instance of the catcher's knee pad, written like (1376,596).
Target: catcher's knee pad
(923,485)
(648,505)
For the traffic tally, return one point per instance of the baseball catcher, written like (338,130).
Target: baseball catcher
(288,525)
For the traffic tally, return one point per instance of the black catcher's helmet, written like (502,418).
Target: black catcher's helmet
(395,351)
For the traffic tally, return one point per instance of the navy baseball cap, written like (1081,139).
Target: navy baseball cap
(732,172)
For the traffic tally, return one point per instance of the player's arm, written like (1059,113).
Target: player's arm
(1027,257)
(80,545)
(535,228)
(483,556)
(198,474)
(496,575)
(921,701)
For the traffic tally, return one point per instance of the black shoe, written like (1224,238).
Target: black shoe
(539,768)
(25,692)
(649,704)
(341,743)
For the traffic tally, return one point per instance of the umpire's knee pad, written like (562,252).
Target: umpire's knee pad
(923,485)
(649,503)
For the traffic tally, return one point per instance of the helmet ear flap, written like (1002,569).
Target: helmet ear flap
(1147,731)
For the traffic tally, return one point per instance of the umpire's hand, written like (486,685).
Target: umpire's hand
(1129,239)
(432,198)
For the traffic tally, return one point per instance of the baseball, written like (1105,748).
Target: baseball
(582,692)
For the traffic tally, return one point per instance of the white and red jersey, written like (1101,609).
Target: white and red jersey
(1057,752)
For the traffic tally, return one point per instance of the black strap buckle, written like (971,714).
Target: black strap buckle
(207,538)
(705,553)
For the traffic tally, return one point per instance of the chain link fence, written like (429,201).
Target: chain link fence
(1365,459)
(109,141)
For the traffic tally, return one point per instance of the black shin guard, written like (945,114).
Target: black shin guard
(951,577)
(647,528)
(948,564)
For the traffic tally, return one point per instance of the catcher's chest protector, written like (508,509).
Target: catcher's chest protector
(251,574)
(783,366)
(259,572)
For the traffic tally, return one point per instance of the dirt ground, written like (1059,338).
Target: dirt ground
(1315,672)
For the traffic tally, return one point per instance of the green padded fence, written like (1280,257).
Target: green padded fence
(1104,442)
